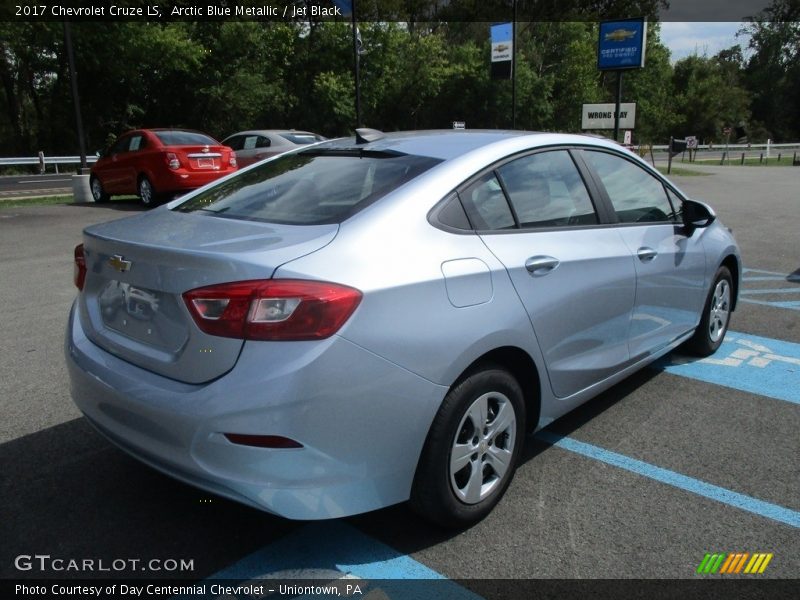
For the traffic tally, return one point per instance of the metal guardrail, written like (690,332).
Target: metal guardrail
(722,147)
(48,160)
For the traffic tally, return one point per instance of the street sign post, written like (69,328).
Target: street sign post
(621,46)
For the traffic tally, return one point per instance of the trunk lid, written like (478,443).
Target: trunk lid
(138,268)
(203,158)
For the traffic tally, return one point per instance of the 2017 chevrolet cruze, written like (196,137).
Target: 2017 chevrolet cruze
(384,318)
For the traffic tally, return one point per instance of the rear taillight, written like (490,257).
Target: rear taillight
(79,268)
(232,160)
(172,161)
(273,309)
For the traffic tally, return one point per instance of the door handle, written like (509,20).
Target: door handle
(646,254)
(541,265)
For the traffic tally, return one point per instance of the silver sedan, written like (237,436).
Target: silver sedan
(253,146)
(385,318)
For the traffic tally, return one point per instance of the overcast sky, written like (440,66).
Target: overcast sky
(685,39)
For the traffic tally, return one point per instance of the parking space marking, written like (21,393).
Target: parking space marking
(335,550)
(750,363)
(749,276)
(684,482)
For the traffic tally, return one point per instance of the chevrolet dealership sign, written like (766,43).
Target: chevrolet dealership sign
(601,116)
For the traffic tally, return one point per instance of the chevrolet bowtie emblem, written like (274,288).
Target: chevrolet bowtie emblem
(119,263)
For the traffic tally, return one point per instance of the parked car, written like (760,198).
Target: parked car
(256,145)
(157,163)
(385,318)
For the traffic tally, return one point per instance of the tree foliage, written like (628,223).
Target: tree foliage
(226,76)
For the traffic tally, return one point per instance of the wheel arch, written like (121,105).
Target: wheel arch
(732,263)
(523,368)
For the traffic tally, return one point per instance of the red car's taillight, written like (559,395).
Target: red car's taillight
(232,160)
(79,268)
(272,309)
(172,161)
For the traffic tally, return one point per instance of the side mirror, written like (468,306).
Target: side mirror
(697,215)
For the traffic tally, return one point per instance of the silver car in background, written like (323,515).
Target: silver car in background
(384,318)
(253,146)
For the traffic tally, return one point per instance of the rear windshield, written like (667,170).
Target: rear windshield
(309,188)
(302,138)
(184,138)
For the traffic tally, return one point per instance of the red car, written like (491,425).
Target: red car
(157,163)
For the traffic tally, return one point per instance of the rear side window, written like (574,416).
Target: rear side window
(309,188)
(486,204)
(302,138)
(235,142)
(184,138)
(637,196)
(137,143)
(546,190)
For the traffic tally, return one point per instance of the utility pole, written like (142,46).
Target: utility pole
(514,68)
(73,77)
(357,59)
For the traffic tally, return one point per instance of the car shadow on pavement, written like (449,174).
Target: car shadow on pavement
(67,492)
(122,205)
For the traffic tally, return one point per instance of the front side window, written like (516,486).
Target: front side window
(637,196)
(121,145)
(311,187)
(546,190)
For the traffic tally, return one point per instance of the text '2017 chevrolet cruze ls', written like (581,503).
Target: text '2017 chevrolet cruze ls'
(384,318)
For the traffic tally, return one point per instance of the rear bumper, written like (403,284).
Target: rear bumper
(361,419)
(183,179)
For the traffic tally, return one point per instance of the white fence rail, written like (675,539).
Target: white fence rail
(45,161)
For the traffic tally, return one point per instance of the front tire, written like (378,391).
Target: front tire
(472,449)
(710,333)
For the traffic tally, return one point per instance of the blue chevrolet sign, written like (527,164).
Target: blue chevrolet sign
(622,44)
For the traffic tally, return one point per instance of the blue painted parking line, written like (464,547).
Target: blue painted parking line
(749,363)
(331,550)
(746,273)
(793,290)
(750,276)
(792,304)
(684,482)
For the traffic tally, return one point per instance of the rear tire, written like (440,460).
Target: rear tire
(147,193)
(472,449)
(713,326)
(98,194)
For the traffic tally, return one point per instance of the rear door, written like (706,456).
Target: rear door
(112,173)
(129,163)
(574,275)
(670,265)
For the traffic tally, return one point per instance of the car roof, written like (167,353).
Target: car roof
(271,131)
(446,144)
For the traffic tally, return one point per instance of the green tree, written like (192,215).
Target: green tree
(772,72)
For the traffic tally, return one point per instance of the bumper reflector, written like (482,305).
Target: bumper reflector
(262,441)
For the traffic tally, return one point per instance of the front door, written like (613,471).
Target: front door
(670,266)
